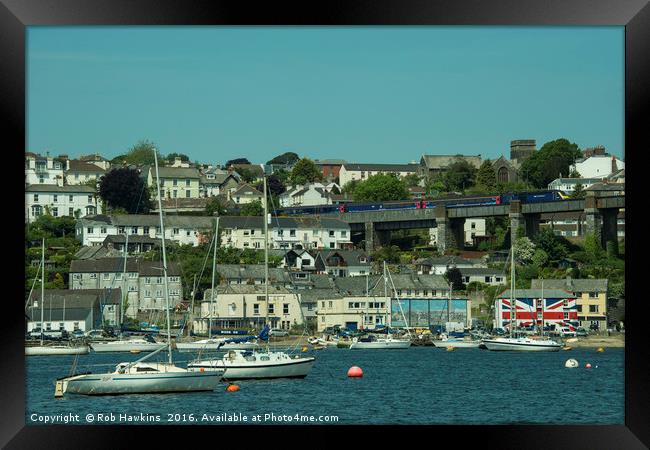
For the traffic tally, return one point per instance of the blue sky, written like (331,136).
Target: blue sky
(363,94)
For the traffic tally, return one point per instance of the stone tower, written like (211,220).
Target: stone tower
(522,149)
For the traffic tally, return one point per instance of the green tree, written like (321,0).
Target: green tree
(58,282)
(524,250)
(555,247)
(485,177)
(540,258)
(592,247)
(553,159)
(459,175)
(412,180)
(124,188)
(253,208)
(381,187)
(390,254)
(172,156)
(350,186)
(455,277)
(142,153)
(213,206)
(435,185)
(287,158)
(305,171)
(246,175)
(578,191)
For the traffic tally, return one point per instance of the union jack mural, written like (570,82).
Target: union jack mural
(561,312)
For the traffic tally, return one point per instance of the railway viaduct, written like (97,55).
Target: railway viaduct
(600,212)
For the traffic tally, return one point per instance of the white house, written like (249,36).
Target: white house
(440,265)
(343,263)
(175,182)
(214,182)
(245,193)
(362,172)
(285,233)
(187,230)
(80,172)
(472,228)
(598,166)
(43,169)
(60,201)
(308,195)
(569,184)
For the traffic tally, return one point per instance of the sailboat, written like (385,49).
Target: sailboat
(446,341)
(139,376)
(512,342)
(388,342)
(55,349)
(212,343)
(260,363)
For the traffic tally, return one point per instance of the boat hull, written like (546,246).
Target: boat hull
(456,344)
(241,371)
(380,345)
(54,350)
(520,346)
(145,383)
(106,347)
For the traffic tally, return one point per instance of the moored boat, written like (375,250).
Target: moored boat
(128,345)
(525,344)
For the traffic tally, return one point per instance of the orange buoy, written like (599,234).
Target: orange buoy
(450,349)
(355,372)
(232,388)
(588,366)
(600,349)
(201,369)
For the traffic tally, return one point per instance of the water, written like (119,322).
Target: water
(419,385)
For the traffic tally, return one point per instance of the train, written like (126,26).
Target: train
(449,202)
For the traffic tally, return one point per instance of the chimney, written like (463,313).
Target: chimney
(614,168)
(568,282)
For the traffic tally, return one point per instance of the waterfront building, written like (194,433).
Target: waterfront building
(591,298)
(557,308)
(71,310)
(58,201)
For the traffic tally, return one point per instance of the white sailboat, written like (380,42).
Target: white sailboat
(141,376)
(445,341)
(43,349)
(214,343)
(260,363)
(387,342)
(512,342)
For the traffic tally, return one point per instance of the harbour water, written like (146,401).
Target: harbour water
(419,385)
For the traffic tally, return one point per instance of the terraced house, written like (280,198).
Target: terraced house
(142,281)
(187,230)
(175,182)
(72,201)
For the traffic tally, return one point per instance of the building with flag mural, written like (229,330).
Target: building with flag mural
(537,307)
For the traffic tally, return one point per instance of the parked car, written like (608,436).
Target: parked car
(566,332)
(278,332)
(582,332)
(35,333)
(95,334)
(78,334)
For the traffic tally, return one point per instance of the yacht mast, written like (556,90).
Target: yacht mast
(124,286)
(513,312)
(214,271)
(43,290)
(164,255)
(266,253)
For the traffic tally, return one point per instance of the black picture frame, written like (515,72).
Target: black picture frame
(15,15)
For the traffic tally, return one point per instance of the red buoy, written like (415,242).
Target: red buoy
(588,366)
(355,372)
(232,388)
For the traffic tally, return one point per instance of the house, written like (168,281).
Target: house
(552,307)
(343,263)
(71,310)
(72,201)
(569,184)
(605,188)
(237,274)
(97,160)
(245,307)
(362,172)
(175,182)
(433,165)
(285,232)
(214,182)
(44,169)
(330,168)
(590,294)
(597,166)
(474,229)
(182,205)
(440,265)
(300,260)
(493,277)
(308,195)
(256,169)
(141,280)
(245,193)
(81,172)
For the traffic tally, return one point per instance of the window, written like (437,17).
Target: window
(120,230)
(90,230)
(292,233)
(252,232)
(187,183)
(92,275)
(147,294)
(106,276)
(187,233)
(310,307)
(90,198)
(344,234)
(256,309)
(271,308)
(175,193)
(71,212)
(593,308)
(330,304)
(35,197)
(71,198)
(145,230)
(285,308)
(41,180)
(323,304)
(175,182)
(473,225)
(158,280)
(280,232)
(332,245)
(566,315)
(593,295)
(176,230)
(408,292)
(134,230)
(331,232)
(55,212)
(118,276)
(322,319)
(55,198)
(579,307)
(76,326)
(488,279)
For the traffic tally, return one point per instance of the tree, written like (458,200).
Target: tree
(230,162)
(524,250)
(555,247)
(435,185)
(305,171)
(142,153)
(459,175)
(578,191)
(411,180)
(553,159)
(350,186)
(539,258)
(274,185)
(246,175)
(485,177)
(390,254)
(124,188)
(286,158)
(455,277)
(283,176)
(172,156)
(381,187)
(253,208)
(213,206)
